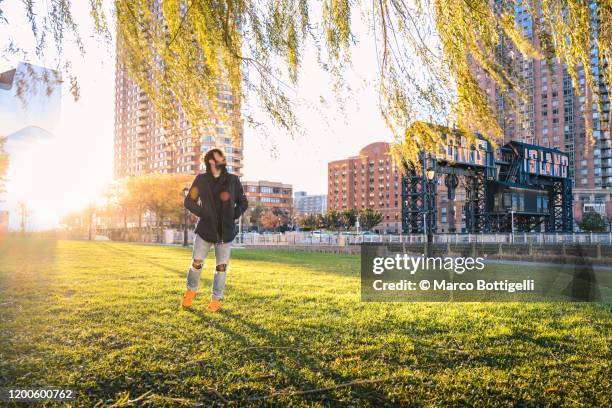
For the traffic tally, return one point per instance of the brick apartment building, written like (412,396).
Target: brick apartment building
(274,196)
(369,180)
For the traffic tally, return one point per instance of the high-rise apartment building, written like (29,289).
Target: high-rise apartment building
(304,203)
(555,115)
(143,144)
(369,180)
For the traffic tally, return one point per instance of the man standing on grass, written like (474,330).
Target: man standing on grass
(218,199)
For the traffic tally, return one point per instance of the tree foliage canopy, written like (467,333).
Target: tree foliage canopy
(348,217)
(311,222)
(426,53)
(369,218)
(269,220)
(592,222)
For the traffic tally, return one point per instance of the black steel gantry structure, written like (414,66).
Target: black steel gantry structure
(528,185)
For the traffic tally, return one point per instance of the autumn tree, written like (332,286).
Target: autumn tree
(283,215)
(157,194)
(269,220)
(348,217)
(256,213)
(123,202)
(132,199)
(311,222)
(427,53)
(332,220)
(369,218)
(163,196)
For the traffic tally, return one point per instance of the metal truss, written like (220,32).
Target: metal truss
(477,219)
(561,217)
(419,200)
(414,198)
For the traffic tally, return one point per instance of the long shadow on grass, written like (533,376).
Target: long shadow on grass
(343,265)
(276,351)
(144,259)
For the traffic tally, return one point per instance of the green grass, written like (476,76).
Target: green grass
(103,319)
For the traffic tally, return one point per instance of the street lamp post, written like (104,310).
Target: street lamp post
(430,174)
(185,192)
(512,226)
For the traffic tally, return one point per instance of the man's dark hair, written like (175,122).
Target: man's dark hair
(210,155)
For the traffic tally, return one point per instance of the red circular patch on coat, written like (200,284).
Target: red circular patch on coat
(224,196)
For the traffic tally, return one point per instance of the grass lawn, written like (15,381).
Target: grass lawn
(102,318)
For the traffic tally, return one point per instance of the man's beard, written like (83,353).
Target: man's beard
(221,166)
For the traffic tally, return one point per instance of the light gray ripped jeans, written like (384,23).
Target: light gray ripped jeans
(222,254)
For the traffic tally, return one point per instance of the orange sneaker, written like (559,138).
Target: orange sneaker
(188,298)
(213,306)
